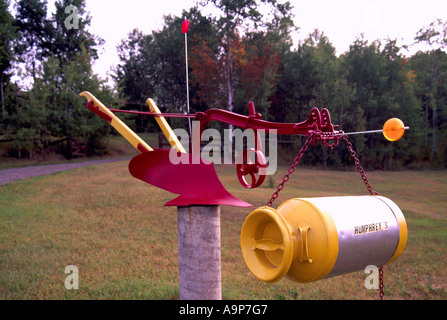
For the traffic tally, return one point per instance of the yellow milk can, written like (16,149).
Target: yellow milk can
(309,239)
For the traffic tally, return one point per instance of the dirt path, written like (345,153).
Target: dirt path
(10,175)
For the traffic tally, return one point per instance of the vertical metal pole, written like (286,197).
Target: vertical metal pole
(199,252)
(187,80)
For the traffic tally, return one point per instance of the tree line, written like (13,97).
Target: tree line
(236,55)
(55,58)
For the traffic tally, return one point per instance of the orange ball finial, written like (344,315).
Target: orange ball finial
(393,129)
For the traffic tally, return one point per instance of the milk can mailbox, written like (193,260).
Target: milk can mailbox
(307,239)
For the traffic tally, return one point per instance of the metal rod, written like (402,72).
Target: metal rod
(187,80)
(147,113)
(362,132)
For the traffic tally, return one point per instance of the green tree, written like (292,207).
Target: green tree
(60,55)
(431,72)
(133,74)
(236,13)
(153,65)
(307,78)
(70,35)
(35,33)
(25,127)
(256,73)
(65,113)
(378,75)
(41,37)
(7,36)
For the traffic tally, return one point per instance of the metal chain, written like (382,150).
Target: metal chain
(359,167)
(381,292)
(325,137)
(372,192)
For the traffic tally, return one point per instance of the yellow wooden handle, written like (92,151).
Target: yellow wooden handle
(164,125)
(120,126)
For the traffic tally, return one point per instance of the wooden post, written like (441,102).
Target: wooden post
(199,252)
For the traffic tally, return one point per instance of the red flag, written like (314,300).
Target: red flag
(185,26)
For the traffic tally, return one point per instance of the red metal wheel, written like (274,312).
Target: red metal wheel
(255,169)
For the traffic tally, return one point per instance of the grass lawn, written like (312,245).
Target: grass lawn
(116,230)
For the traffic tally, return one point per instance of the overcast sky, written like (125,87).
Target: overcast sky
(341,20)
